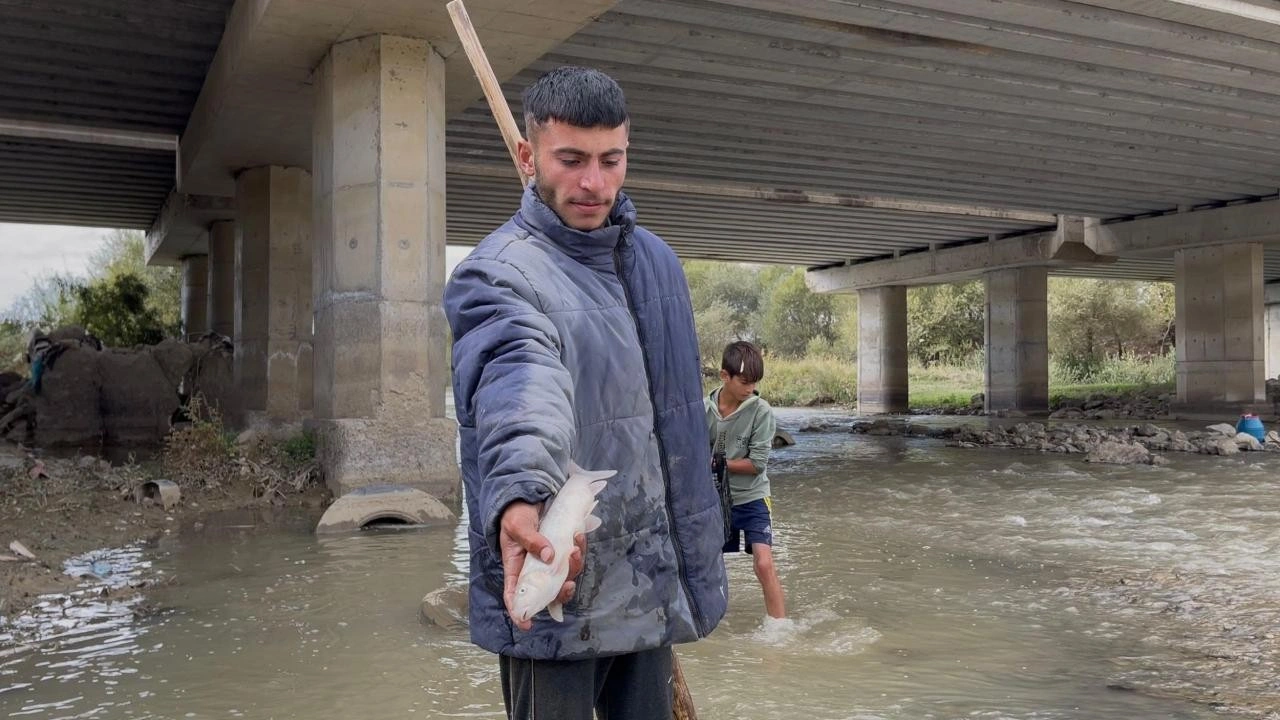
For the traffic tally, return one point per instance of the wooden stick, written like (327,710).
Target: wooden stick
(682,701)
(488,82)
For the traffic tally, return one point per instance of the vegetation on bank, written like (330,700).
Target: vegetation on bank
(828,380)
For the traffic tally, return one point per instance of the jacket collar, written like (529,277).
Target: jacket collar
(589,248)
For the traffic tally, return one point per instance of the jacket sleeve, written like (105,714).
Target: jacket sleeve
(763,427)
(511,387)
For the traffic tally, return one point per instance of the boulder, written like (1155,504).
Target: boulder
(445,608)
(1222,446)
(66,408)
(1248,442)
(782,438)
(138,401)
(1117,453)
(1223,429)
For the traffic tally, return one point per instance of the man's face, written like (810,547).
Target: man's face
(579,171)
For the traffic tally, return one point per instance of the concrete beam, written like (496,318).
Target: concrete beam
(1017,340)
(1254,222)
(1060,247)
(182,226)
(33,130)
(791,196)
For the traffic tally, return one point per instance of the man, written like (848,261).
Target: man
(574,339)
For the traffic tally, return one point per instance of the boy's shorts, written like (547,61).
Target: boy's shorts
(750,519)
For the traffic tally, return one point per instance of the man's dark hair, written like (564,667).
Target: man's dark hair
(578,96)
(743,358)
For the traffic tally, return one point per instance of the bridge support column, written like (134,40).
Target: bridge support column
(1221,351)
(222,278)
(378,154)
(1017,339)
(1271,322)
(195,295)
(882,350)
(273,293)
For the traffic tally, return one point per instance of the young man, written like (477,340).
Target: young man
(742,427)
(574,339)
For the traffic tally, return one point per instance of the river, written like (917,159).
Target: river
(924,581)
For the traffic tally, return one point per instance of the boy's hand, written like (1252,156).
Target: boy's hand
(517,537)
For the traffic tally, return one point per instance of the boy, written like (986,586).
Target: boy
(742,427)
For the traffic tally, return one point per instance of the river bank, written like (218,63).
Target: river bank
(57,508)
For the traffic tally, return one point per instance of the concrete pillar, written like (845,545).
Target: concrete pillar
(195,295)
(1220,329)
(882,350)
(222,278)
(378,155)
(273,293)
(1017,337)
(1271,301)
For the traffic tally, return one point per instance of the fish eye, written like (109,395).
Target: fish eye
(522,591)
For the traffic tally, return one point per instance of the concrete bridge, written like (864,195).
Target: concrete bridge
(293,156)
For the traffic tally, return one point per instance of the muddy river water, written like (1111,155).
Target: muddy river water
(924,581)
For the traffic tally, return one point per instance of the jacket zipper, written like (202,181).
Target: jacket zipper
(662,450)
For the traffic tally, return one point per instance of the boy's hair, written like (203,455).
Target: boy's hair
(577,96)
(743,358)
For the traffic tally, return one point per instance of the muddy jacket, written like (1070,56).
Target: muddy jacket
(581,345)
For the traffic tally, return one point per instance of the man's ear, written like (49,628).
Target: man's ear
(524,156)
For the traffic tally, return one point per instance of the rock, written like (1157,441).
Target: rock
(445,608)
(1159,460)
(1223,446)
(1273,436)
(1146,430)
(782,438)
(1119,454)
(138,400)
(979,400)
(1248,442)
(1093,403)
(67,409)
(1104,414)
(1067,413)
(88,462)
(1223,429)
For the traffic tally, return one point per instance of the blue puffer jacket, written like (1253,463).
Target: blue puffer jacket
(581,345)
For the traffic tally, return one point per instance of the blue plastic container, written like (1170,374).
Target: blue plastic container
(1252,425)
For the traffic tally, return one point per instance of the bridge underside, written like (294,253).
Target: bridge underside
(880,144)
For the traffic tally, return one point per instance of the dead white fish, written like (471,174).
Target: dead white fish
(22,550)
(568,514)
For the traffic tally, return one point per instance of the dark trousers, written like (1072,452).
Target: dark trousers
(636,686)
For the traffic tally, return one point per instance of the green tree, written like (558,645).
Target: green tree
(122,300)
(946,323)
(795,317)
(118,310)
(1093,320)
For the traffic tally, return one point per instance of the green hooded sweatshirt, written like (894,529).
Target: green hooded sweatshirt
(747,433)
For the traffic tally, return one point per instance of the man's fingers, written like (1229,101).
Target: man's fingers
(566,592)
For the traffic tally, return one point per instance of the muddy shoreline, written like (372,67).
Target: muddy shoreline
(60,508)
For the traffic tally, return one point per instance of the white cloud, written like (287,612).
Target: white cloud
(29,251)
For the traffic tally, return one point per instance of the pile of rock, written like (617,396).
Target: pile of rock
(87,395)
(1123,445)
(1143,405)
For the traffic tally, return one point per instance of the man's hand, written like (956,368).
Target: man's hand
(518,536)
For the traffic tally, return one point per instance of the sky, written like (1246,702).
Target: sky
(29,251)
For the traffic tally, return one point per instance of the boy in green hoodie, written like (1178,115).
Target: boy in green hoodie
(742,427)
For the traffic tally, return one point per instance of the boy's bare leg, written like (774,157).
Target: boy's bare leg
(762,558)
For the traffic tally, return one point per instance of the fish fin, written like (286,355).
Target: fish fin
(596,486)
(591,523)
(556,610)
(574,469)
